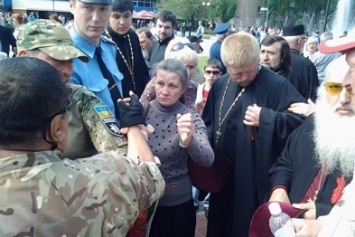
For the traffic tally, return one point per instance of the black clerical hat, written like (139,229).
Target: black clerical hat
(99,2)
(293,30)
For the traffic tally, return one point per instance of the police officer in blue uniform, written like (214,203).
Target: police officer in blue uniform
(101,74)
(222,31)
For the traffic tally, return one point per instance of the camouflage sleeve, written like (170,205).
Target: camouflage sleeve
(101,124)
(147,183)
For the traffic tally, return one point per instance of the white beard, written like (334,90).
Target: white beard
(145,53)
(334,137)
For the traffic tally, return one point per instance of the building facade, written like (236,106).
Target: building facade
(44,7)
(250,13)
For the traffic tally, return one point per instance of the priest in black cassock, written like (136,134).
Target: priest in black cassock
(303,75)
(246,120)
(318,159)
(129,59)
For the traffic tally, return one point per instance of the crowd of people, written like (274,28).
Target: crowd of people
(99,122)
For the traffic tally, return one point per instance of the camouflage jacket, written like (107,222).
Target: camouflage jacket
(44,195)
(92,127)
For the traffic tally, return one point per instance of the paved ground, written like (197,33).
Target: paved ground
(208,40)
(201,224)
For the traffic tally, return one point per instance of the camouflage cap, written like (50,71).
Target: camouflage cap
(99,2)
(51,38)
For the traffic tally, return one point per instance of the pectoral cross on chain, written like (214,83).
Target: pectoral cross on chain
(218,135)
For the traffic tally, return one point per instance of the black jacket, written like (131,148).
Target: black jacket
(7,39)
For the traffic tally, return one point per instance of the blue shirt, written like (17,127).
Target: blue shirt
(89,74)
(215,52)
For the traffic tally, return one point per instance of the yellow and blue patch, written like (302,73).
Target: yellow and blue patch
(108,119)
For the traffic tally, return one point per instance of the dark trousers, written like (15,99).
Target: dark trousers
(174,221)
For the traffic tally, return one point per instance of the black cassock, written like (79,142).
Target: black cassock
(141,72)
(304,76)
(253,150)
(297,167)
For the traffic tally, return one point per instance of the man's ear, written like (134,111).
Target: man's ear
(72,6)
(57,131)
(22,53)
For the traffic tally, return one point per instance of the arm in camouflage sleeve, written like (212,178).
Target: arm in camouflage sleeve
(137,146)
(103,137)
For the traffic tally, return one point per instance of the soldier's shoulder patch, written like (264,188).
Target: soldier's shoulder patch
(108,119)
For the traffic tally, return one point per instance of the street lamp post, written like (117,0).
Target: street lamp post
(207,4)
(326,16)
(267,15)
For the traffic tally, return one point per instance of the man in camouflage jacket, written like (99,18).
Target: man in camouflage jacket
(43,194)
(93,128)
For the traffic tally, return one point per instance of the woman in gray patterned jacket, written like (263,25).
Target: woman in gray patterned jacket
(179,135)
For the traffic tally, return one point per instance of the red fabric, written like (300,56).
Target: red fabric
(140,225)
(204,94)
(311,191)
(259,225)
(338,191)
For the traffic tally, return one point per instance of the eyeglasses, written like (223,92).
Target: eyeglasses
(180,46)
(62,111)
(48,121)
(212,72)
(334,88)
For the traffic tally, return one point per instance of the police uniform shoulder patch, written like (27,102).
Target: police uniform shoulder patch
(108,119)
(107,39)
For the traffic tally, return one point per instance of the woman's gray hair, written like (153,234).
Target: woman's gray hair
(176,66)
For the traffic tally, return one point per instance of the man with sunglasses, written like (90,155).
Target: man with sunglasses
(303,75)
(93,128)
(45,194)
(318,159)
(340,97)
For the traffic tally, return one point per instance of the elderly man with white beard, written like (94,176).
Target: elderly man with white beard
(318,159)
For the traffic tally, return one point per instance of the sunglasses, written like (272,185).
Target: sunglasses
(334,88)
(48,121)
(62,111)
(212,72)
(180,46)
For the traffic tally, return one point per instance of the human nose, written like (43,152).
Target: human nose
(345,94)
(95,16)
(66,69)
(165,90)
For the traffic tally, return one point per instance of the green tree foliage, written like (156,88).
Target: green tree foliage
(311,13)
(224,10)
(193,10)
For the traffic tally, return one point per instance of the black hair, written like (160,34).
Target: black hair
(31,90)
(167,15)
(122,5)
(285,56)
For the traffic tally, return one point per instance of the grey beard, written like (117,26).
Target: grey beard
(145,53)
(334,139)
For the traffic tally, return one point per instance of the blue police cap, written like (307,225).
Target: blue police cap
(98,2)
(221,28)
